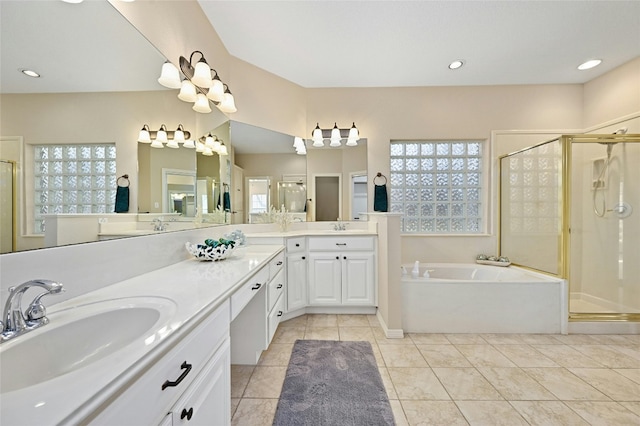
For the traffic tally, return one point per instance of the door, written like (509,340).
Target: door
(237,197)
(258,200)
(358,284)
(358,195)
(296,282)
(7,206)
(325,276)
(328,196)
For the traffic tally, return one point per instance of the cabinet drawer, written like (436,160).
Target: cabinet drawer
(240,298)
(276,264)
(145,401)
(275,289)
(274,317)
(341,243)
(296,244)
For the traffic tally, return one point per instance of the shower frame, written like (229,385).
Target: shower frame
(564,240)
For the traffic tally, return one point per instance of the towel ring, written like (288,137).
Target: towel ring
(380,175)
(125,177)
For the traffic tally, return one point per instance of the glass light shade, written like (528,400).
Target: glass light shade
(202,75)
(173,144)
(298,142)
(189,144)
(354,134)
(207,151)
(161,136)
(156,144)
(187,92)
(351,142)
(223,150)
(143,136)
(199,147)
(202,104)
(178,136)
(170,76)
(208,142)
(317,136)
(335,136)
(301,151)
(216,145)
(216,91)
(228,103)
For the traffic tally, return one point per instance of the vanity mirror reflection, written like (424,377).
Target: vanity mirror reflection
(97,85)
(268,172)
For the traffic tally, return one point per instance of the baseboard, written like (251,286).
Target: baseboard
(396,333)
(604,327)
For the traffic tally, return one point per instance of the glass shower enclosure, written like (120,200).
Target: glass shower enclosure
(570,207)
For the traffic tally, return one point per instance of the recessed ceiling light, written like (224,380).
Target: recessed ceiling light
(589,64)
(73,1)
(456,64)
(30,73)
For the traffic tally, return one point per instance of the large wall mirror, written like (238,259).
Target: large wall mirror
(323,185)
(98,85)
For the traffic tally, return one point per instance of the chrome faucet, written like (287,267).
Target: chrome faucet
(159,224)
(340,225)
(15,322)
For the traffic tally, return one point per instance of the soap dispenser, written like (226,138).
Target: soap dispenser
(415,272)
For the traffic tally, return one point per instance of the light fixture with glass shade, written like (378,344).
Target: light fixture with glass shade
(163,136)
(317,136)
(223,149)
(216,144)
(200,79)
(335,136)
(170,76)
(202,104)
(144,136)
(187,91)
(354,135)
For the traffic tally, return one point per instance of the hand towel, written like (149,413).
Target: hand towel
(226,201)
(380,200)
(122,199)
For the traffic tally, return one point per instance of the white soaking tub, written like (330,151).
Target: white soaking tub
(471,298)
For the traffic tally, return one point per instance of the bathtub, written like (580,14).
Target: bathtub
(471,298)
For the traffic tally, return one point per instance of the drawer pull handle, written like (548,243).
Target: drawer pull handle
(280,313)
(279,263)
(257,286)
(303,258)
(297,245)
(186,367)
(345,258)
(338,257)
(341,244)
(186,413)
(279,286)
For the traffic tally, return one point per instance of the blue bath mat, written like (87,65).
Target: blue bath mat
(333,383)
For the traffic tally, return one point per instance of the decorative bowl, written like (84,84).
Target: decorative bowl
(209,252)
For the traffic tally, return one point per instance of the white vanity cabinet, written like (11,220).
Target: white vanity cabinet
(194,375)
(256,310)
(296,273)
(342,271)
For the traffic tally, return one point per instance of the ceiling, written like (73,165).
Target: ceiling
(410,43)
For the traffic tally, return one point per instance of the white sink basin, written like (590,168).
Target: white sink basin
(80,336)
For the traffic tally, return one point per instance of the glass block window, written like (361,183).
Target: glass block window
(437,186)
(73,179)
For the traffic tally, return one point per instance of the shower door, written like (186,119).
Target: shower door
(7,206)
(604,194)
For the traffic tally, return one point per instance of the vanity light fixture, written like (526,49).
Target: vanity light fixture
(456,64)
(201,85)
(210,144)
(158,138)
(589,64)
(335,135)
(300,147)
(170,76)
(223,149)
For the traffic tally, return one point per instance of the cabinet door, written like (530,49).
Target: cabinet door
(358,284)
(208,400)
(325,276)
(296,287)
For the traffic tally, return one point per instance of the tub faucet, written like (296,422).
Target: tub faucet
(15,322)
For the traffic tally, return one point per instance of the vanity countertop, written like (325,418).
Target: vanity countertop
(194,289)
(311,232)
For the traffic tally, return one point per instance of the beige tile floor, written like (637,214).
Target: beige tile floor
(466,379)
